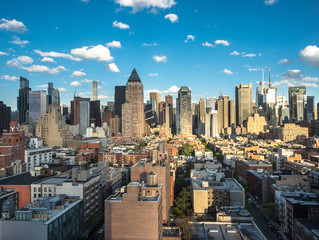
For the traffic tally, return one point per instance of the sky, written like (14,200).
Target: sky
(208,45)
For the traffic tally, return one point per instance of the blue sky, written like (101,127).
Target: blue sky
(228,42)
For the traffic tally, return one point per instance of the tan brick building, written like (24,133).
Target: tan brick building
(256,124)
(290,132)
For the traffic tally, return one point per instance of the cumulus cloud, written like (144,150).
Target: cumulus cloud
(12,25)
(114,44)
(248,54)
(3,53)
(137,5)
(293,77)
(44,69)
(62,89)
(10,78)
(253,69)
(172,90)
(189,37)
(149,44)
(103,97)
(310,79)
(207,44)
(172,17)
(270,2)
(120,25)
(228,72)
(112,67)
(285,61)
(153,74)
(234,53)
(42,86)
(78,74)
(19,61)
(86,80)
(47,59)
(222,42)
(160,58)
(20,42)
(57,55)
(75,83)
(98,53)
(310,55)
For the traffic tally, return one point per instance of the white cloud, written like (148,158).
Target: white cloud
(189,37)
(103,97)
(85,1)
(99,87)
(310,79)
(137,5)
(284,61)
(12,25)
(3,53)
(149,44)
(75,83)
(253,69)
(222,42)
(313,85)
(44,69)
(86,81)
(172,17)
(120,25)
(98,53)
(228,72)
(10,78)
(249,54)
(294,77)
(160,58)
(112,67)
(234,53)
(172,90)
(153,74)
(85,94)
(47,59)
(310,55)
(57,55)
(62,89)
(42,86)
(270,2)
(114,44)
(19,61)
(207,44)
(78,74)
(20,42)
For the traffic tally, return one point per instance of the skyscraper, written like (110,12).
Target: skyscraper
(244,102)
(84,122)
(226,113)
(94,90)
(38,105)
(156,96)
(95,113)
(170,103)
(57,96)
(298,103)
(75,111)
(210,104)
(201,116)
(310,108)
(119,99)
(184,111)
(260,91)
(51,95)
(23,100)
(133,118)
(5,117)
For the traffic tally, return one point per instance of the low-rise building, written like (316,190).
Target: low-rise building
(35,157)
(290,132)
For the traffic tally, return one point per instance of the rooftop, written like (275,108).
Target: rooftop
(21,179)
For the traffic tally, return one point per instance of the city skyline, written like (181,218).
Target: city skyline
(204,47)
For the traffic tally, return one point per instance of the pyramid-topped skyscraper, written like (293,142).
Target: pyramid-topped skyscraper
(133,118)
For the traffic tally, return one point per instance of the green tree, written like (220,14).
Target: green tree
(187,150)
(183,200)
(218,156)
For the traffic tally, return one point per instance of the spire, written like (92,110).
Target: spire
(134,77)
(262,74)
(269,78)
(221,93)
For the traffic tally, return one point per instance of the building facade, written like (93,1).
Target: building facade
(184,111)
(244,102)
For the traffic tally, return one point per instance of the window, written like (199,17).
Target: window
(34,189)
(45,189)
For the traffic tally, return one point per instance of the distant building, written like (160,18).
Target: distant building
(256,124)
(95,113)
(12,147)
(157,98)
(226,113)
(297,99)
(52,128)
(57,96)
(95,91)
(59,217)
(244,102)
(133,117)
(37,155)
(38,105)
(23,100)
(184,111)
(210,104)
(290,132)
(119,99)
(242,167)
(5,117)
(170,103)
(310,108)
(139,207)
(84,120)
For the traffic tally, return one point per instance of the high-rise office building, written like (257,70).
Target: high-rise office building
(51,95)
(244,102)
(133,118)
(95,113)
(75,111)
(226,113)
(95,90)
(184,111)
(160,112)
(23,100)
(150,114)
(57,96)
(210,104)
(156,96)
(170,103)
(261,91)
(5,117)
(84,122)
(195,118)
(38,105)
(298,103)
(119,99)
(310,108)
(201,116)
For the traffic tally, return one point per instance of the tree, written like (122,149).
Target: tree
(183,224)
(187,150)
(183,200)
(218,156)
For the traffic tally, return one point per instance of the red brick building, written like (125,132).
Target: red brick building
(242,166)
(90,148)
(12,146)
(127,159)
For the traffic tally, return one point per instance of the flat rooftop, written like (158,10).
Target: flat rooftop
(21,179)
(229,183)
